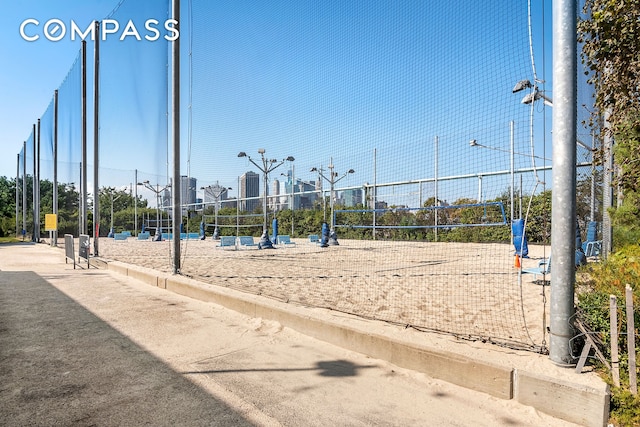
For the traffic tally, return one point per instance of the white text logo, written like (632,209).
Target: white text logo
(55,30)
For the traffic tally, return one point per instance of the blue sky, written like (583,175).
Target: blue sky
(318,81)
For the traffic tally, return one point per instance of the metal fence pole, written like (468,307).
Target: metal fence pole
(96,145)
(175,110)
(563,215)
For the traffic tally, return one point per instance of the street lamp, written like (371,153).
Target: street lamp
(215,190)
(111,190)
(333,237)
(268,165)
(157,190)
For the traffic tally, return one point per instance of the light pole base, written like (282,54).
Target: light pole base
(216,234)
(264,242)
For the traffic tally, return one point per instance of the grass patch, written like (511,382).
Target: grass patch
(595,283)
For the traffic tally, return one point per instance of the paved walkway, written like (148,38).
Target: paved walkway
(87,347)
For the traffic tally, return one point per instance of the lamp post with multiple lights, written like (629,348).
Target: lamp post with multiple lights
(332,179)
(267,166)
(157,189)
(216,190)
(113,199)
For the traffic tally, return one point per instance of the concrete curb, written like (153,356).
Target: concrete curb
(568,401)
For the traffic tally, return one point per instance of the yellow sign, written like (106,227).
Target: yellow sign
(50,222)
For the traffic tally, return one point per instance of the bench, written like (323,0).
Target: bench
(247,241)
(145,235)
(284,240)
(227,242)
(543,269)
(120,236)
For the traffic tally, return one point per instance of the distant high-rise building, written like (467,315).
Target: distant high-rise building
(188,187)
(352,197)
(274,201)
(249,187)
(306,199)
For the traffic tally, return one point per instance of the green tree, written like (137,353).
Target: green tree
(7,206)
(609,37)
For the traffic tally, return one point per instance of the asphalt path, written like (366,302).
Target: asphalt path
(92,348)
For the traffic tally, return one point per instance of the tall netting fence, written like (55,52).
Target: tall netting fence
(413,134)
(416,99)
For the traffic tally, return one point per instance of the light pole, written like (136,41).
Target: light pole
(268,165)
(215,190)
(293,195)
(111,191)
(333,237)
(157,190)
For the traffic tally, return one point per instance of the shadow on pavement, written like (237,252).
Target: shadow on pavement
(62,365)
(330,368)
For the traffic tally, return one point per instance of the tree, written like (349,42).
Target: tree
(609,37)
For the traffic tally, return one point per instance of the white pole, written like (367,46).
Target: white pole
(512,170)
(435,203)
(293,195)
(135,206)
(375,189)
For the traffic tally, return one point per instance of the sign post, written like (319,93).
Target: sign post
(51,225)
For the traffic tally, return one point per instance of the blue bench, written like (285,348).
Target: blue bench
(543,269)
(247,241)
(227,242)
(314,238)
(145,235)
(120,236)
(284,239)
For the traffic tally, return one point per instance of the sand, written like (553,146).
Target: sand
(467,290)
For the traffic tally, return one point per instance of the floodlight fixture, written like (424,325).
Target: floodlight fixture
(261,151)
(536,95)
(242,154)
(521,85)
(473,143)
